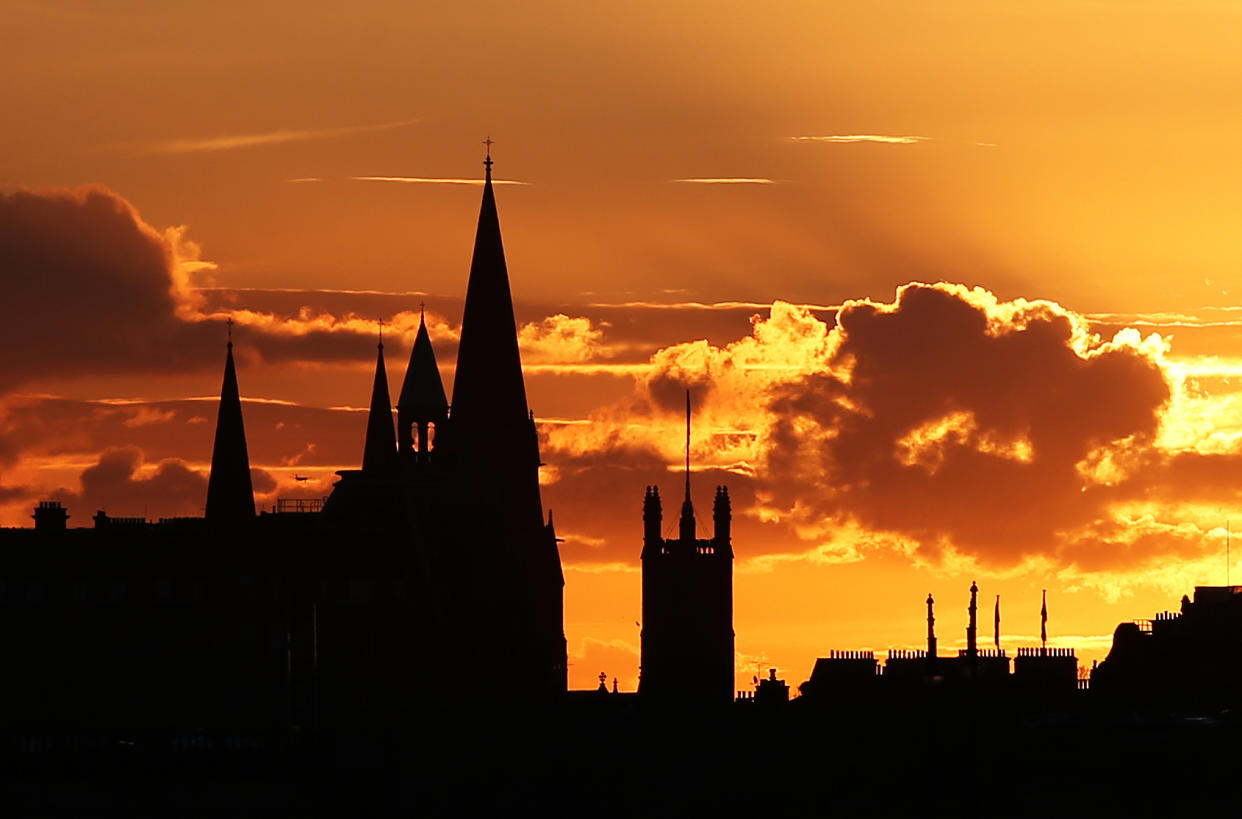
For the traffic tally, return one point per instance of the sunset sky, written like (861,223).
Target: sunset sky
(741,198)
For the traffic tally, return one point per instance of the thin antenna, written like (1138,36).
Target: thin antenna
(687,444)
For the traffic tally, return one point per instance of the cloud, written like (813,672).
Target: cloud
(119,484)
(728,180)
(560,338)
(99,289)
(434,180)
(849,138)
(236,141)
(103,291)
(948,426)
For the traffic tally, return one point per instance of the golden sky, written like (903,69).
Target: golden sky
(734,196)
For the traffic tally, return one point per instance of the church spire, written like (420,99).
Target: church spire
(230,495)
(488,392)
(379,455)
(422,402)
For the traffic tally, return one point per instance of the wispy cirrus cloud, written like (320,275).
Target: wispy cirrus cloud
(728,180)
(230,142)
(884,139)
(433,180)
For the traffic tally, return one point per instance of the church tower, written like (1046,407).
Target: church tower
(230,495)
(687,627)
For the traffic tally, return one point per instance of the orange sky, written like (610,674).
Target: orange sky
(1077,152)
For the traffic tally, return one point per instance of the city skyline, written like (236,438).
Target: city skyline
(637,265)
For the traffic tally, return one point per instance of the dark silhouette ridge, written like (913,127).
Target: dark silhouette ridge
(1041,678)
(230,495)
(422,404)
(379,455)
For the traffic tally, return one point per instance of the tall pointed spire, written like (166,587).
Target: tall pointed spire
(230,495)
(488,388)
(686,526)
(379,454)
(422,402)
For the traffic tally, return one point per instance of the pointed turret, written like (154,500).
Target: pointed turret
(230,495)
(722,516)
(379,455)
(422,402)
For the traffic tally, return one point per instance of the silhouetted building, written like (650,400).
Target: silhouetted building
(1184,660)
(1041,677)
(687,626)
(433,556)
(843,676)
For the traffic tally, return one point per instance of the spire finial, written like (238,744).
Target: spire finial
(487,160)
(381,333)
(229,323)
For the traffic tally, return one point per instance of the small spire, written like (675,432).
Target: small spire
(381,334)
(379,452)
(687,446)
(487,160)
(229,323)
(686,526)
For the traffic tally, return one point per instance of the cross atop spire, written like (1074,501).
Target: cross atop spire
(229,322)
(381,333)
(487,160)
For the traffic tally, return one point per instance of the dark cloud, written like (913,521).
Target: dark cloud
(118,484)
(115,485)
(962,423)
(90,289)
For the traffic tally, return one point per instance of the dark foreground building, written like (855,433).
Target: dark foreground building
(427,576)
(1189,660)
